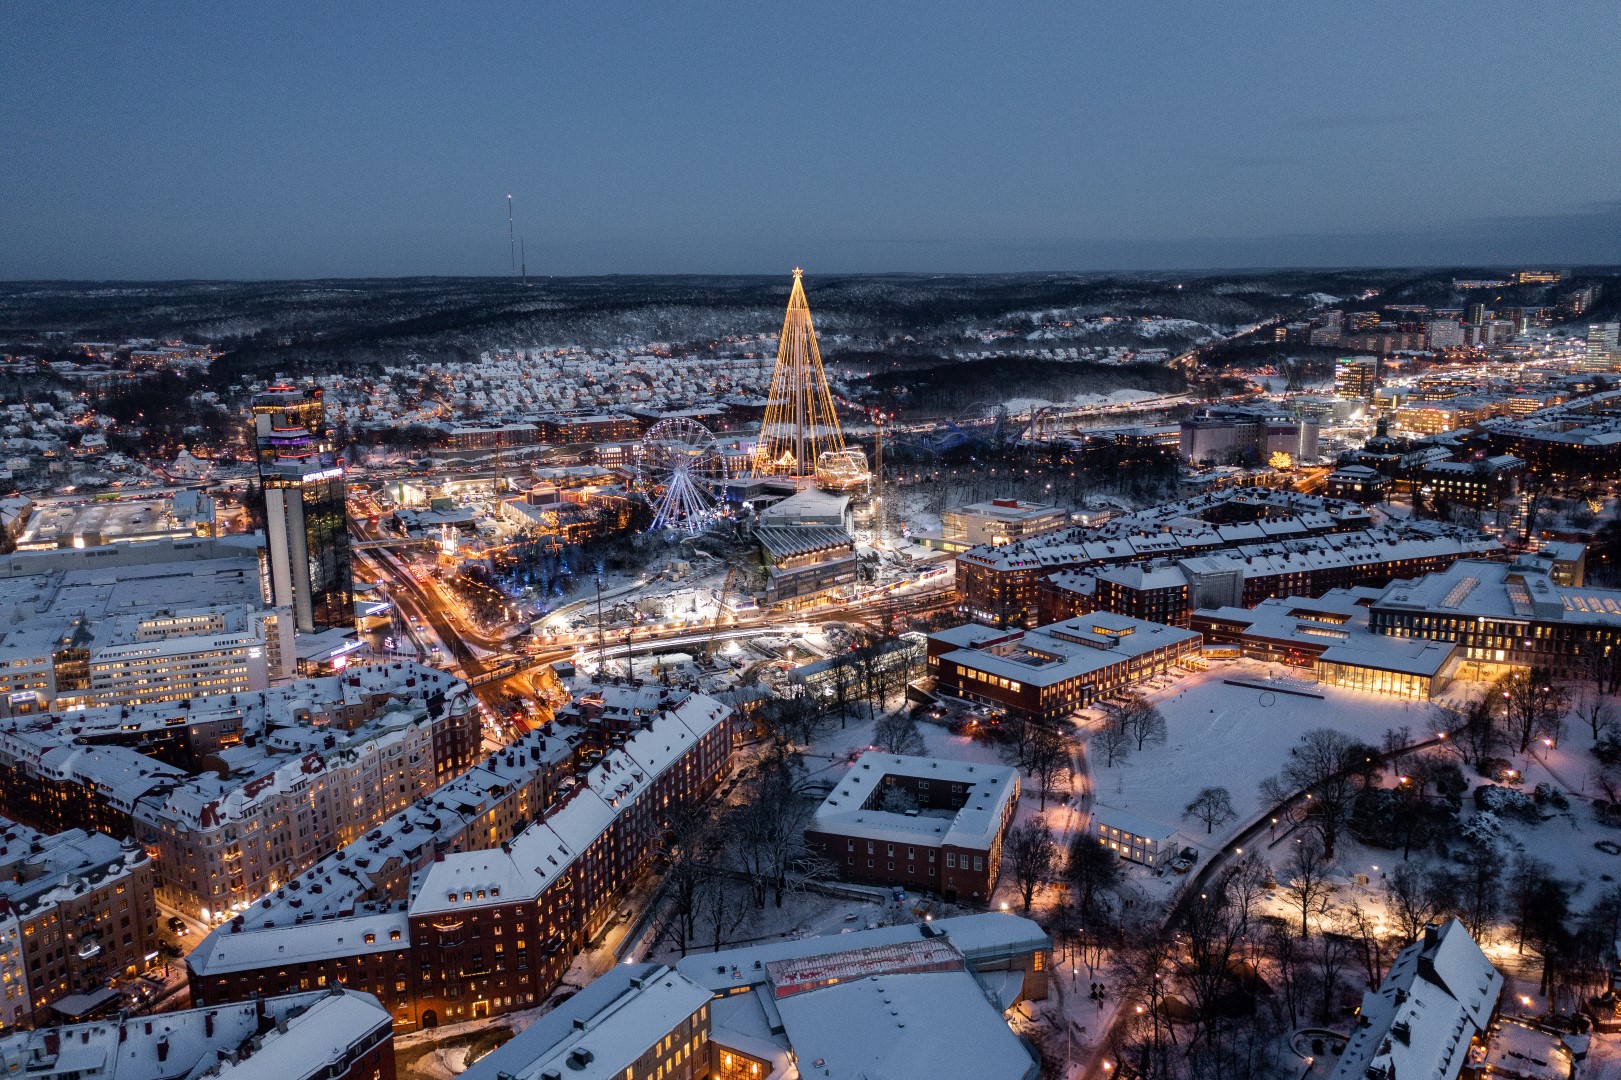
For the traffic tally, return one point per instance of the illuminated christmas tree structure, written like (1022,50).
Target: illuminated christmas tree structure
(801,436)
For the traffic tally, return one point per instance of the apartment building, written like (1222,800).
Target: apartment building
(485,930)
(332,1034)
(266,784)
(78,915)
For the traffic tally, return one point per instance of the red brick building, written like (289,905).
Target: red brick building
(918,823)
(490,929)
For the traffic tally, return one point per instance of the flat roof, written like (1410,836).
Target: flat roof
(897,1027)
(975,824)
(1058,652)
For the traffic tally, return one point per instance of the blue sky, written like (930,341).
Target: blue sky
(282,140)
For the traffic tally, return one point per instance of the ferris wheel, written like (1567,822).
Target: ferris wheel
(679,467)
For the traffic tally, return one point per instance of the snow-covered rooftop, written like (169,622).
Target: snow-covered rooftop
(1439,993)
(975,824)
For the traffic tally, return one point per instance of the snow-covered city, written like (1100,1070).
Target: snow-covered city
(1141,599)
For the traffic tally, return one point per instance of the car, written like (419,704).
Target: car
(177,926)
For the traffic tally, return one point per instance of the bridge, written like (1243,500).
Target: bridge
(404,541)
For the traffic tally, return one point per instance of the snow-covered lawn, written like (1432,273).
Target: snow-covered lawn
(1235,737)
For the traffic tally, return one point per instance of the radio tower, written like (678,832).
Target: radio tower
(800,424)
(511,243)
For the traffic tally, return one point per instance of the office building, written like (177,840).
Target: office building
(1444,334)
(1603,347)
(1223,436)
(307,539)
(998,521)
(1054,670)
(306,510)
(135,623)
(1356,377)
(1330,635)
(803,562)
(1504,615)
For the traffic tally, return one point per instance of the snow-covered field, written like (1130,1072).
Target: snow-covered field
(1235,737)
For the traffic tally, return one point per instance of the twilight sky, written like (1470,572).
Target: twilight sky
(290,139)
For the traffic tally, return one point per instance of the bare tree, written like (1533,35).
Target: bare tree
(682,884)
(1113,741)
(1394,745)
(1016,737)
(1092,871)
(1031,855)
(1213,806)
(769,829)
(719,903)
(1049,755)
(843,677)
(1288,956)
(1372,942)
(897,733)
(1472,888)
(1216,927)
(1594,711)
(1308,886)
(795,719)
(1467,729)
(1530,703)
(894,799)
(1139,719)
(1144,1039)
(1328,769)
(1334,950)
(1415,901)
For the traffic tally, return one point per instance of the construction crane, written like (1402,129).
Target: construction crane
(720,613)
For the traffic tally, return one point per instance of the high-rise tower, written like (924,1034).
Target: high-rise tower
(800,424)
(306,510)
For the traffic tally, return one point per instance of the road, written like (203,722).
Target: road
(1248,839)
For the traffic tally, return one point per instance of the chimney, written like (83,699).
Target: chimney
(163,1049)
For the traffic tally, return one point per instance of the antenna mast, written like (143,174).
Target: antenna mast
(511,243)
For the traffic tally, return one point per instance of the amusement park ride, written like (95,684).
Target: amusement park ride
(680,465)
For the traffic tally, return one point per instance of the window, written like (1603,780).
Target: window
(951,858)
